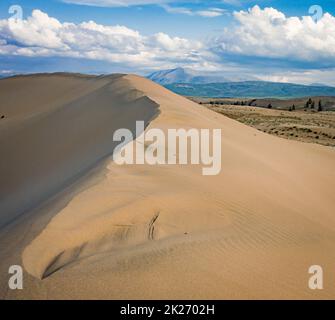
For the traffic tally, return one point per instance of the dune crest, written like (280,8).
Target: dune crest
(168,232)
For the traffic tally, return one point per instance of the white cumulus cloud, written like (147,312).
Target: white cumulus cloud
(207,13)
(41,35)
(269,33)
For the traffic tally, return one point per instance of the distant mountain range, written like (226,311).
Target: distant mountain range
(6,75)
(181,75)
(186,83)
(251,89)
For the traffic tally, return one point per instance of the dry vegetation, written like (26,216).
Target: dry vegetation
(306,126)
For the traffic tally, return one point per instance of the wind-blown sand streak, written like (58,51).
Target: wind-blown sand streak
(168,232)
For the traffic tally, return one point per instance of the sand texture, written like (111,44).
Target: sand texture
(155,232)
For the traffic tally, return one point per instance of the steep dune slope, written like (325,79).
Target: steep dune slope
(55,128)
(167,231)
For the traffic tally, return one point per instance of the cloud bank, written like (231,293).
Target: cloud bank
(207,13)
(269,33)
(41,35)
(259,39)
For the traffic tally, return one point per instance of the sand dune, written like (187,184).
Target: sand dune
(56,127)
(155,232)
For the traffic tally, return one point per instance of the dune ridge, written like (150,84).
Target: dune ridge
(155,232)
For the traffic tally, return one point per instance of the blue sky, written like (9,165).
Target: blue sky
(269,42)
(150,18)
